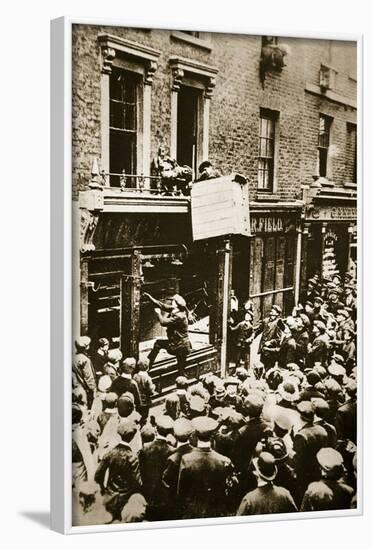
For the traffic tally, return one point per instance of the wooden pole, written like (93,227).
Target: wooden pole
(130,295)
(84,296)
(297,284)
(225,305)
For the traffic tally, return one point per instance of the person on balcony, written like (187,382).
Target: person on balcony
(175,319)
(207,171)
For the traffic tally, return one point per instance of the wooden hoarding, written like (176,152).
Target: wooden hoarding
(219,206)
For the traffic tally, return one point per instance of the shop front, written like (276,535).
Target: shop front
(330,237)
(126,254)
(264,269)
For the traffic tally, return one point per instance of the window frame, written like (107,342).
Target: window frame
(273,117)
(204,40)
(127,131)
(186,72)
(324,150)
(140,59)
(352,164)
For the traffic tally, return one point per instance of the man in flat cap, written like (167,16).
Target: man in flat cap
(334,303)
(306,443)
(182,430)
(207,172)
(267,498)
(318,349)
(83,375)
(272,331)
(204,476)
(330,493)
(153,460)
(176,321)
(319,313)
(123,478)
(99,357)
(125,383)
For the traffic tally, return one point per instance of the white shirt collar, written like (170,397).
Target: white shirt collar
(204,444)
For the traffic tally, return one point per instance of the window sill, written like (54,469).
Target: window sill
(204,43)
(266,196)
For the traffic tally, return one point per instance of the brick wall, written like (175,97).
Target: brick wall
(235,107)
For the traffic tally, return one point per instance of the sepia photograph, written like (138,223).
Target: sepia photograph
(214,275)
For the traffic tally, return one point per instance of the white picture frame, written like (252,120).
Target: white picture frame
(64,260)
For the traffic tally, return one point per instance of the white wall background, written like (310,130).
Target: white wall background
(24,306)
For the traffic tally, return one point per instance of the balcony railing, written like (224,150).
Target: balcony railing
(141,184)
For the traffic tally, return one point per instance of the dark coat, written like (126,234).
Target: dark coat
(226,442)
(327,494)
(331,431)
(302,340)
(346,421)
(177,324)
(268,499)
(319,349)
(122,384)
(203,483)
(271,332)
(124,477)
(249,435)
(306,443)
(287,352)
(171,472)
(153,460)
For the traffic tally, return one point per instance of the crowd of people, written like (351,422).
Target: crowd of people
(277,435)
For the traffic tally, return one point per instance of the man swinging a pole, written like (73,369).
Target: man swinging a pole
(175,319)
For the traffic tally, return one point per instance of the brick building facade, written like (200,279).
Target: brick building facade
(282,112)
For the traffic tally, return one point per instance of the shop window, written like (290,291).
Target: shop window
(123,126)
(187,126)
(272,273)
(325,123)
(266,160)
(351,152)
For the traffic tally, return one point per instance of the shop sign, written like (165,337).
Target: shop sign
(271,224)
(323,213)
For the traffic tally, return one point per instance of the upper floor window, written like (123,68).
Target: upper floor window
(196,34)
(196,38)
(325,123)
(351,152)
(123,125)
(266,158)
(127,73)
(188,126)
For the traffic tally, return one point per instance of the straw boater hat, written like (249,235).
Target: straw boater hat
(330,461)
(288,391)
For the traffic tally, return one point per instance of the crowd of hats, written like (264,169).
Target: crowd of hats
(201,410)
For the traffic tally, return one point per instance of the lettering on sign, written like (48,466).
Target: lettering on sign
(271,224)
(332,213)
